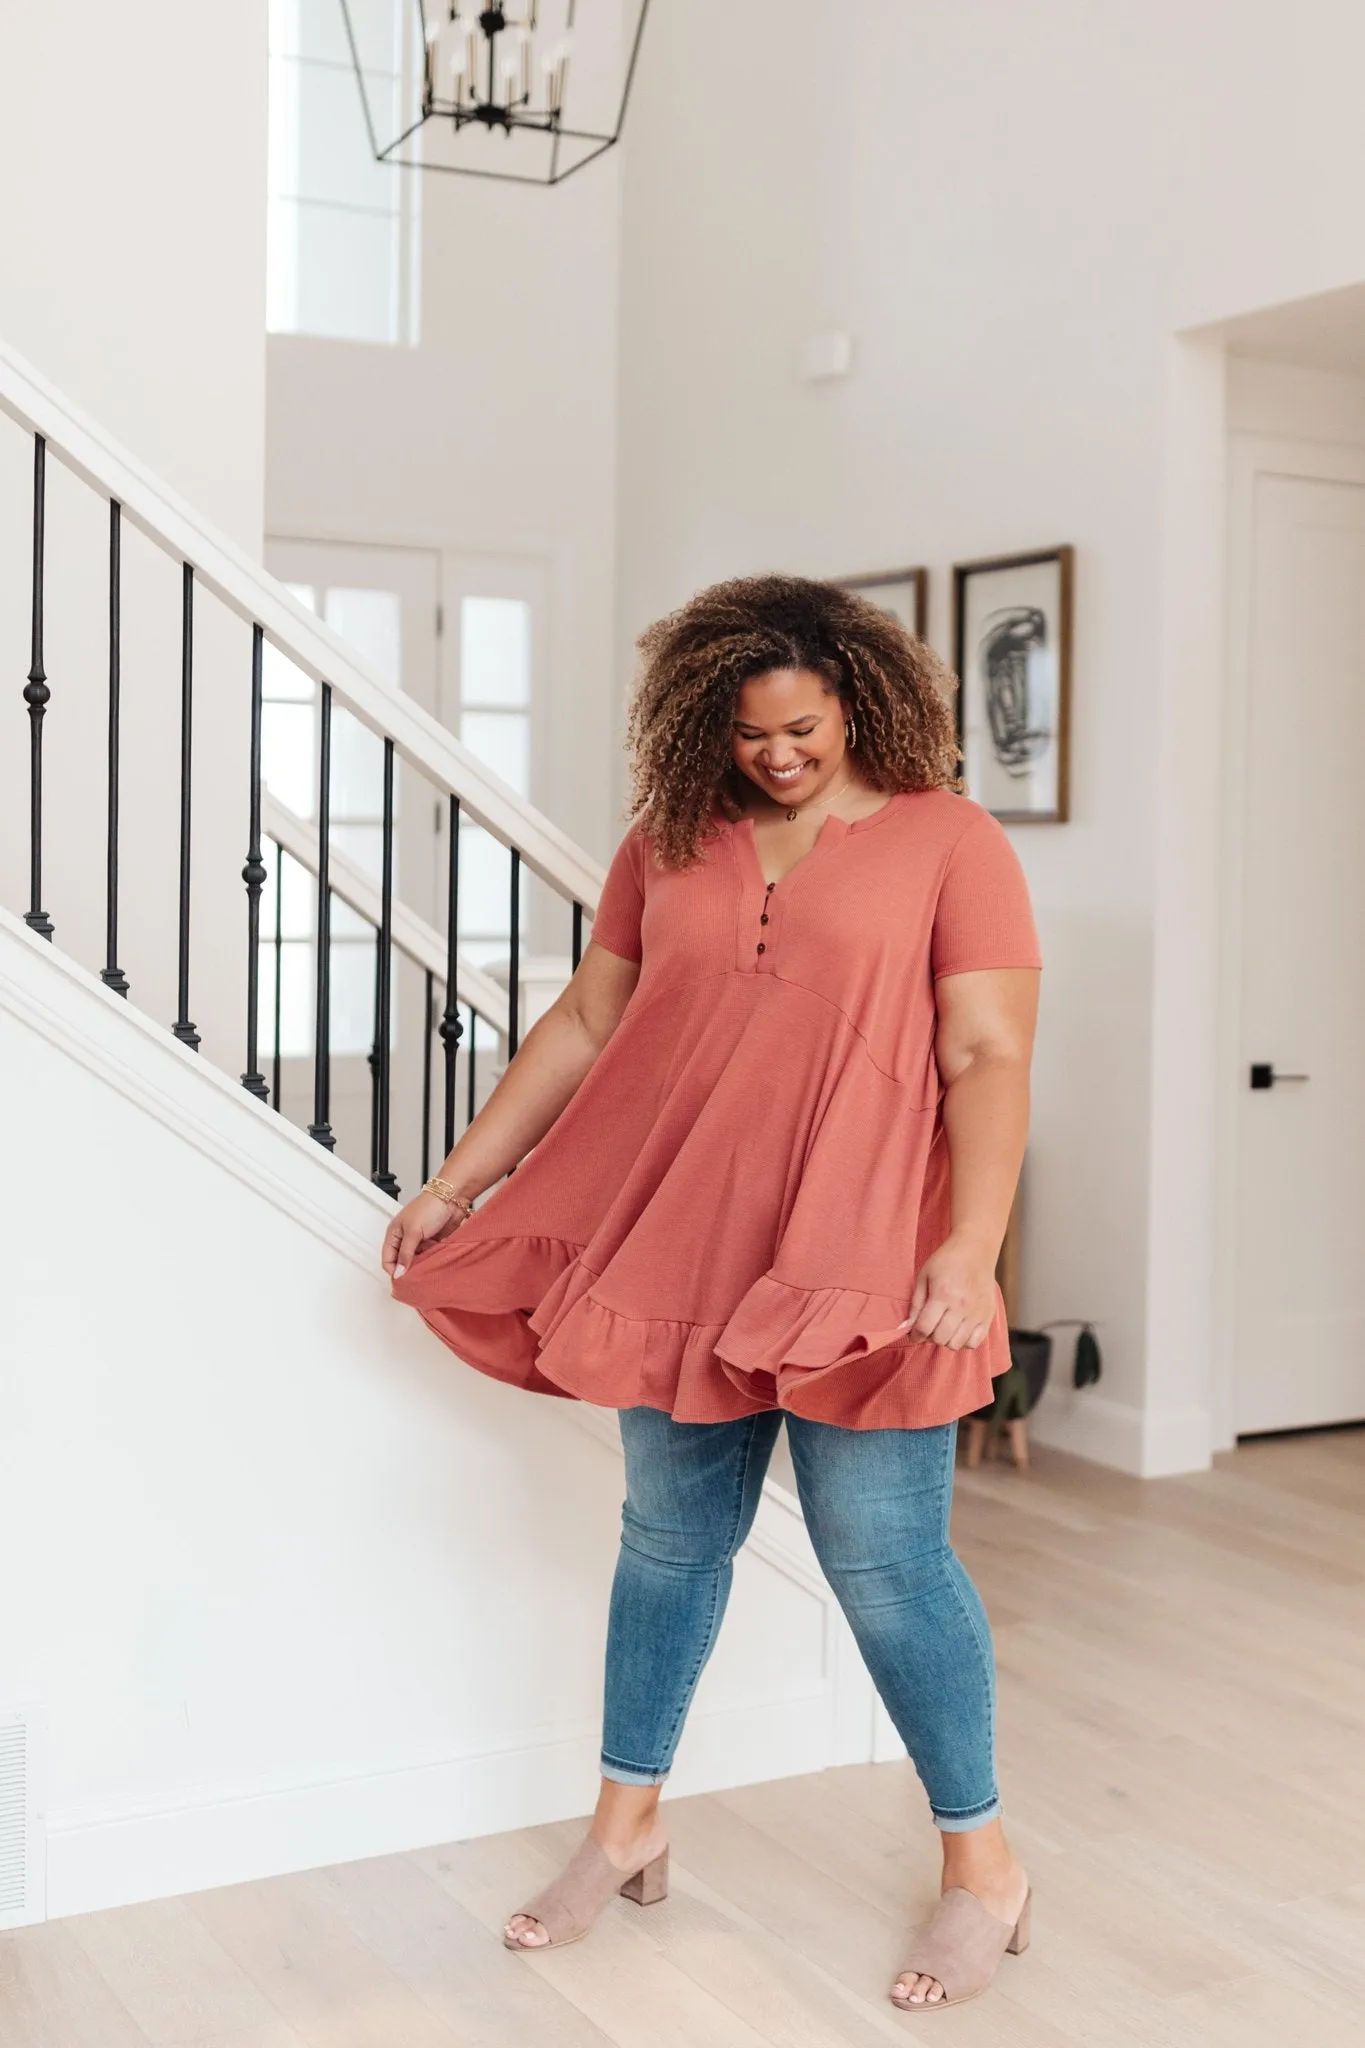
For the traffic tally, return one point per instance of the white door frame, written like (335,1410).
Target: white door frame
(1251,457)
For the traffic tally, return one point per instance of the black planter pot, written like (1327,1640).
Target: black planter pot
(1017,1392)
(1032,1351)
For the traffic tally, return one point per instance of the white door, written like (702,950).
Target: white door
(1300,1187)
(491,695)
(386,603)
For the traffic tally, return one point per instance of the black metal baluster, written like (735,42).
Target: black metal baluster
(182,1026)
(428,1032)
(382,1177)
(36,696)
(451,1027)
(372,1062)
(469,1061)
(577,935)
(513,964)
(111,974)
(514,954)
(279,965)
(253,874)
(320,1128)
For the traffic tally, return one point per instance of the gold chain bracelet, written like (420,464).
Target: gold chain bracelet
(444,1192)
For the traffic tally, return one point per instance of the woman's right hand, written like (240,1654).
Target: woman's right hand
(421,1221)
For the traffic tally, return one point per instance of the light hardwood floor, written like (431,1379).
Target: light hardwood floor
(1182,1726)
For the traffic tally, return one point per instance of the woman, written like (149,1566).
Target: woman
(777,1118)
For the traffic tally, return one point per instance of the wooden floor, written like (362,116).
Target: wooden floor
(1183,1752)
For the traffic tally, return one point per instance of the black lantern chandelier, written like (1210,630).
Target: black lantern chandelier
(466,80)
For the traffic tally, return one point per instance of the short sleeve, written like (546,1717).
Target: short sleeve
(620,907)
(984,917)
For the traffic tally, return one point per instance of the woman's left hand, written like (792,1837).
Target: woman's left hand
(954,1299)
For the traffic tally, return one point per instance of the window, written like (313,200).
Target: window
(342,228)
(494,723)
(372,621)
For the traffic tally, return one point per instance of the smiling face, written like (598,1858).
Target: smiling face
(788,734)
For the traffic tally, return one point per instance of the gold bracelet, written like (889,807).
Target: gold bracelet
(444,1192)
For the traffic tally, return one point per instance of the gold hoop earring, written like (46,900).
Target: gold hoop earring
(850,732)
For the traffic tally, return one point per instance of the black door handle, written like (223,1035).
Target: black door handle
(1263,1075)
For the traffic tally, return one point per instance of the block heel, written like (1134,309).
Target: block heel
(650,1883)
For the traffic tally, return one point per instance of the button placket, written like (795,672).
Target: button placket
(764,918)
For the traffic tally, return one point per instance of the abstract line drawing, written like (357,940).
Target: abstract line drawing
(1018,701)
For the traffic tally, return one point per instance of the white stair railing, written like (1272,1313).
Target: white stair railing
(210,562)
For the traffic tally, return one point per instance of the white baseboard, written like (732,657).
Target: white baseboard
(1151,1444)
(1089,1426)
(138,1856)
(1176,1440)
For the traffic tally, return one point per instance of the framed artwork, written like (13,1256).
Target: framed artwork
(1012,653)
(902,592)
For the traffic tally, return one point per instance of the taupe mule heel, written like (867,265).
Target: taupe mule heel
(650,1883)
(568,1905)
(961,1945)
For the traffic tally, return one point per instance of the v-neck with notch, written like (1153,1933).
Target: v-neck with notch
(730,1213)
(822,837)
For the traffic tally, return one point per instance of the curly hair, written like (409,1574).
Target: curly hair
(693,663)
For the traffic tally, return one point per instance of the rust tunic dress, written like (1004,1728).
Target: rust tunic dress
(730,1213)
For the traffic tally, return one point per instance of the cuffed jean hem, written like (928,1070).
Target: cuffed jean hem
(962,1823)
(629,1774)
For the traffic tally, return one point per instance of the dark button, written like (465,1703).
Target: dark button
(771,887)
(764,918)
(761,947)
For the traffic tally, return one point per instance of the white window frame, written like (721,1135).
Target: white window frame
(286,218)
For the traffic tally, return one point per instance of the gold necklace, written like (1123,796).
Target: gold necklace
(794,813)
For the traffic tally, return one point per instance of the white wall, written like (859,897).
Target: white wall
(293,1585)
(497,434)
(132,237)
(1014,210)
(132,276)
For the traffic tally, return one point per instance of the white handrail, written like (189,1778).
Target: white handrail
(254,595)
(411,934)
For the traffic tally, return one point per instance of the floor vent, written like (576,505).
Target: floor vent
(22,1844)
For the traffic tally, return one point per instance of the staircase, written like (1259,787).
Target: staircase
(211,568)
(285,1586)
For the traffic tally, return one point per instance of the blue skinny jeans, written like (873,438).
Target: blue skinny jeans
(876,1503)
